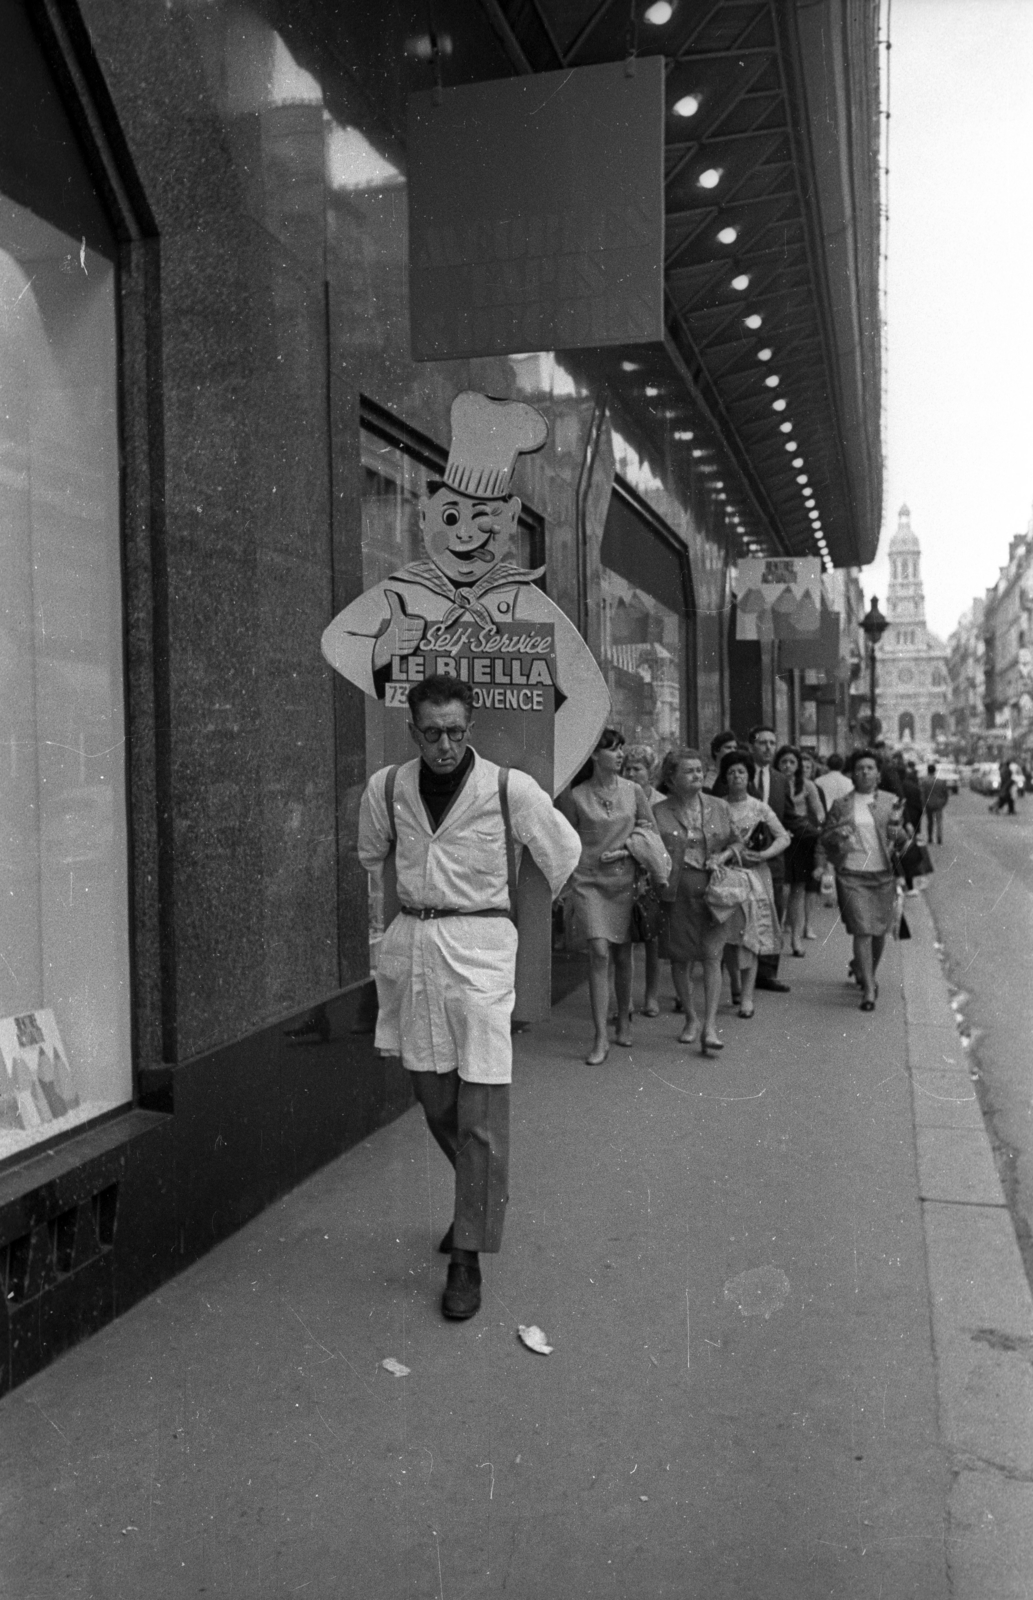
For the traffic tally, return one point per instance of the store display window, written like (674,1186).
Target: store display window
(645,633)
(64,941)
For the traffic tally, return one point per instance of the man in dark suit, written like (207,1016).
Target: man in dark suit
(770,786)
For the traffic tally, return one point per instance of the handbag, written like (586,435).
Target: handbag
(761,837)
(646,910)
(728,887)
(913,861)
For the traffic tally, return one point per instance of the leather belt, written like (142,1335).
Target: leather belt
(431,913)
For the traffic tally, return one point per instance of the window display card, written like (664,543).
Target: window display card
(36,1086)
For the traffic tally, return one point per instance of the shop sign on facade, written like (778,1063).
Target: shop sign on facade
(469,611)
(512,671)
(779,597)
(536,212)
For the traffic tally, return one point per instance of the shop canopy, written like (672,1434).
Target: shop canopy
(771,227)
(771,252)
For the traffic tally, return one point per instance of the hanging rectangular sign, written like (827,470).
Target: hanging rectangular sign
(816,650)
(536,212)
(779,597)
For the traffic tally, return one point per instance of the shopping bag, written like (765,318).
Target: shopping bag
(728,887)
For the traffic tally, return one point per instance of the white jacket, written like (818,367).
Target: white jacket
(446,986)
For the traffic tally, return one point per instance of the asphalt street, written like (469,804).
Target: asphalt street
(981,898)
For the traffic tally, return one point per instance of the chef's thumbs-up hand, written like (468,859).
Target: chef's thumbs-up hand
(400,633)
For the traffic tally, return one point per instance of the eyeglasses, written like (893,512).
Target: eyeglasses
(432,735)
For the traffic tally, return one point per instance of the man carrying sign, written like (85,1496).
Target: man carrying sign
(446,965)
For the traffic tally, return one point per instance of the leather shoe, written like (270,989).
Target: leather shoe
(462,1296)
(774,984)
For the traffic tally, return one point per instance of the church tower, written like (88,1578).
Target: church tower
(905,600)
(912,662)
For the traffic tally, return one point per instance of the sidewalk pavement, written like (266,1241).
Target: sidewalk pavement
(728,1258)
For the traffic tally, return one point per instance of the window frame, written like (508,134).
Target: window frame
(661,530)
(68,55)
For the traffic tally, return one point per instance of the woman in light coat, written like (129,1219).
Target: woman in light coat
(861,834)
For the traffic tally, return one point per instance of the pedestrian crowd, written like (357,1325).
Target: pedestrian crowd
(717,867)
(711,866)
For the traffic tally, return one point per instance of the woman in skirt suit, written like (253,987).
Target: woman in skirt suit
(618,833)
(861,834)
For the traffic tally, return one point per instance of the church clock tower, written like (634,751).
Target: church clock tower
(912,678)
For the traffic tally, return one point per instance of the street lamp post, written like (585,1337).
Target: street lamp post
(873,626)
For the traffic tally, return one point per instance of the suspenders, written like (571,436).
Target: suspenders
(511,862)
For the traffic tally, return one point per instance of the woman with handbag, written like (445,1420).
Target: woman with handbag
(619,842)
(810,813)
(862,833)
(697,831)
(639,766)
(756,929)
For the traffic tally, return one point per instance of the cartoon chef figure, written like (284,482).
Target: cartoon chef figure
(469,521)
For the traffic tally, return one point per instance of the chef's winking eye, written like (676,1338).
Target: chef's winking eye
(450,517)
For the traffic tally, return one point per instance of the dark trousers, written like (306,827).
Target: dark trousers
(934,823)
(470,1121)
(767,966)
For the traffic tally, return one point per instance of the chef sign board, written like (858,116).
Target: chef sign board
(468,611)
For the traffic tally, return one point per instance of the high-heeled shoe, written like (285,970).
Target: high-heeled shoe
(712,1043)
(624,1043)
(745,1011)
(595,1058)
(869,1005)
(689,1034)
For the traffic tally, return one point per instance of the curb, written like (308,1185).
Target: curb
(982,1309)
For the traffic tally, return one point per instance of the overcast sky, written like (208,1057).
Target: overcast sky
(959,421)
